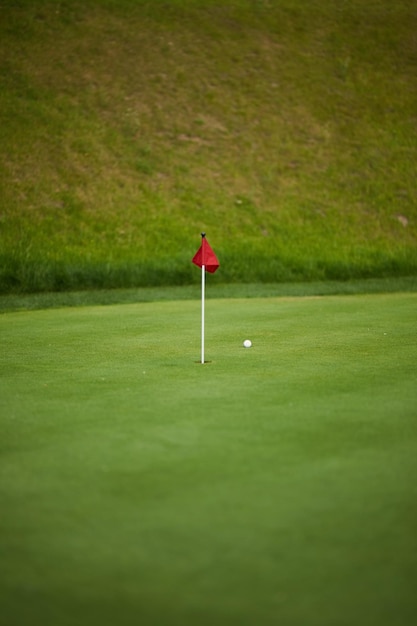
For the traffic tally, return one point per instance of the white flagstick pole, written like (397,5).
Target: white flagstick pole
(203,278)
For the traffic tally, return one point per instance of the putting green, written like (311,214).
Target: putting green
(273,485)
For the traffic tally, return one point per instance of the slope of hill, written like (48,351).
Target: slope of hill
(286,131)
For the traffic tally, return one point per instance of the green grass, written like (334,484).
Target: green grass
(19,302)
(272,485)
(284,131)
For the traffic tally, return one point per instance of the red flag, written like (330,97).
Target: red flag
(205,256)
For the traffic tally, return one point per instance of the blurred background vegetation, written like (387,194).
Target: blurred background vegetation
(286,130)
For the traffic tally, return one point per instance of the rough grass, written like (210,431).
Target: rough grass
(26,302)
(284,131)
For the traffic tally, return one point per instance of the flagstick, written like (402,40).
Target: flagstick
(203,278)
(204,258)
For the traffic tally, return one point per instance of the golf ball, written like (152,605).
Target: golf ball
(247,343)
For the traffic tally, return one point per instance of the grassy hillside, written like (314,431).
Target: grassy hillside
(286,130)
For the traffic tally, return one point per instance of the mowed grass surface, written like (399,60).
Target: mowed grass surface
(275,485)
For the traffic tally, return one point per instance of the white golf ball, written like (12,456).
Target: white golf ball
(247,343)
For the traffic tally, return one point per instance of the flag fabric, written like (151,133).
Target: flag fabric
(205,256)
